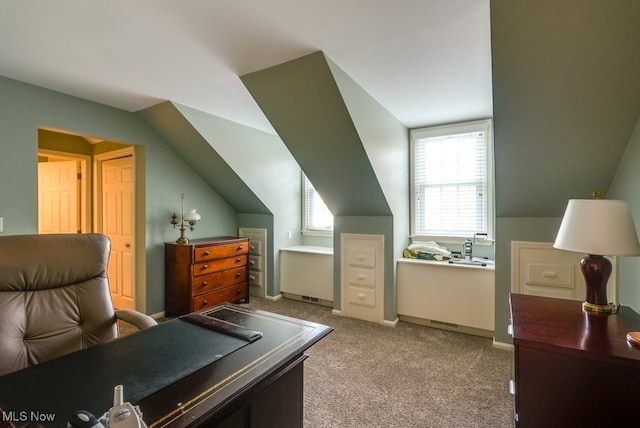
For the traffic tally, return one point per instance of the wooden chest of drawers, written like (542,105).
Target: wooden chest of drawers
(204,273)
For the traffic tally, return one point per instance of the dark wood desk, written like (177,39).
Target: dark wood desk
(573,368)
(259,385)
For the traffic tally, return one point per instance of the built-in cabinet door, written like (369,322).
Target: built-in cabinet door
(538,269)
(257,260)
(363,276)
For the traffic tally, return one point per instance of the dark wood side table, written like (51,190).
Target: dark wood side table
(574,369)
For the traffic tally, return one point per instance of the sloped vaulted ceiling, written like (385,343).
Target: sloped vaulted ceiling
(303,103)
(167,119)
(566,82)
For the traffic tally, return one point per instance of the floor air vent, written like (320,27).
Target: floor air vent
(446,325)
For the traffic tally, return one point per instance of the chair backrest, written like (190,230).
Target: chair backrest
(54,297)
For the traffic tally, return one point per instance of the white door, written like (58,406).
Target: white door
(58,197)
(117,224)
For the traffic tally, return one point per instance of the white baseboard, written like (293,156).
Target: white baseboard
(391,323)
(502,345)
(273,298)
(158,315)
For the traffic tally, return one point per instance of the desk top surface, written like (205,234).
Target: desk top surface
(188,398)
(562,326)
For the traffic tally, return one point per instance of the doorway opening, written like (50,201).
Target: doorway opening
(86,185)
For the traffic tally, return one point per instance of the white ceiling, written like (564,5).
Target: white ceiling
(426,61)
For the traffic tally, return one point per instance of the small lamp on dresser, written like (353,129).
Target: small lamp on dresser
(187,221)
(599,228)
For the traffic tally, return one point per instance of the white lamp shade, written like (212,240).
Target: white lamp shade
(598,227)
(192,215)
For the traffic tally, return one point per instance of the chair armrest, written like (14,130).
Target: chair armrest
(136,318)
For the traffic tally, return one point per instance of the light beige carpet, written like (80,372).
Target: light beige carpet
(370,375)
(367,375)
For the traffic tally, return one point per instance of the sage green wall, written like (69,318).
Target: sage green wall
(267,167)
(386,142)
(167,119)
(353,151)
(566,99)
(25,108)
(302,101)
(625,186)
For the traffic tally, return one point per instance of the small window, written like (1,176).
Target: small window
(316,217)
(452,181)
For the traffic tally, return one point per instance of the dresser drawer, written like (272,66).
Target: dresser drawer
(228,294)
(362,277)
(361,296)
(209,252)
(219,265)
(255,262)
(255,278)
(217,280)
(364,257)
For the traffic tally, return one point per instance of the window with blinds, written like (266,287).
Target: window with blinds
(452,181)
(316,217)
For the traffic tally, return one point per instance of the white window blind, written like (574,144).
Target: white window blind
(316,215)
(451,180)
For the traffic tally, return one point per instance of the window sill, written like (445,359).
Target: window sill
(457,240)
(327,234)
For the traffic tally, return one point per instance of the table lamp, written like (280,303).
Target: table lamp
(598,227)
(186,221)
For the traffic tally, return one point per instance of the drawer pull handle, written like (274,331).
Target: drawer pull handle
(361,276)
(253,248)
(252,263)
(204,284)
(361,296)
(205,303)
(206,253)
(205,267)
(238,260)
(252,278)
(548,274)
(360,257)
(239,247)
(238,274)
(238,291)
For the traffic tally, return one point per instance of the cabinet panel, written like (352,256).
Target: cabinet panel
(362,296)
(359,256)
(538,269)
(255,262)
(459,295)
(307,271)
(362,282)
(258,261)
(362,277)
(256,278)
